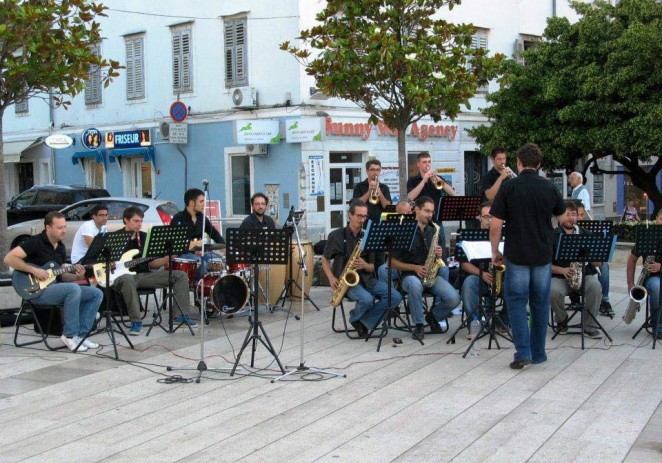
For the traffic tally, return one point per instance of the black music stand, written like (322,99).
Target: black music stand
(396,233)
(597,227)
(648,242)
(584,249)
(105,249)
(457,208)
(248,246)
(166,240)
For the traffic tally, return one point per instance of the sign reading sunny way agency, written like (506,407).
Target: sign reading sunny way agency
(91,138)
(128,139)
(256,131)
(303,130)
(58,141)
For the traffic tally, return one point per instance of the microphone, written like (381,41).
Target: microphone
(205,183)
(290,221)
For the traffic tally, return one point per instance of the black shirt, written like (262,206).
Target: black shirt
(488,182)
(339,246)
(374,210)
(137,243)
(428,190)
(40,251)
(252,223)
(195,229)
(527,204)
(418,253)
(558,231)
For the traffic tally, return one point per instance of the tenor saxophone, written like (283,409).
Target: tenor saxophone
(638,293)
(432,262)
(575,281)
(497,272)
(348,278)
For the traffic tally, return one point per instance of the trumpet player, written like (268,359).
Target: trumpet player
(499,173)
(652,285)
(375,194)
(339,246)
(563,273)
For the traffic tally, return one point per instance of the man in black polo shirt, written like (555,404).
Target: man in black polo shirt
(526,204)
(496,176)
(80,303)
(364,189)
(258,220)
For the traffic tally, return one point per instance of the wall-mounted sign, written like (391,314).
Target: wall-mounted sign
(128,139)
(316,175)
(178,111)
(422,131)
(256,131)
(178,133)
(445,170)
(91,138)
(303,130)
(58,141)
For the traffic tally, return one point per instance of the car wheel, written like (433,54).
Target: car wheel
(19,240)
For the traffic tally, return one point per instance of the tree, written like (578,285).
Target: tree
(588,90)
(396,59)
(45,45)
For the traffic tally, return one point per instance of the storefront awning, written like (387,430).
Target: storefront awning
(12,149)
(98,155)
(147,153)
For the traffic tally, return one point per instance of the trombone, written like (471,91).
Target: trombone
(374,193)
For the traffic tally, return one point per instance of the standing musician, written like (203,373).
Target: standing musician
(340,245)
(194,199)
(258,220)
(652,283)
(526,204)
(88,231)
(563,272)
(80,303)
(411,265)
(427,183)
(496,176)
(128,285)
(370,190)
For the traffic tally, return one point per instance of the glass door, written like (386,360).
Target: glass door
(344,173)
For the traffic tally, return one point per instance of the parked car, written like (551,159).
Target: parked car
(157,212)
(36,202)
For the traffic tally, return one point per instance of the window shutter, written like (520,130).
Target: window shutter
(182,76)
(479,40)
(241,76)
(229,52)
(21,106)
(135,84)
(236,63)
(93,83)
(176,59)
(186,81)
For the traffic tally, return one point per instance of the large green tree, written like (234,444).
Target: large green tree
(588,90)
(45,46)
(399,60)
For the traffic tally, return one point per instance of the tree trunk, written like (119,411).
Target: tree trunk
(402,162)
(4,245)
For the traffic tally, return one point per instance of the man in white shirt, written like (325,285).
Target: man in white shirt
(580,191)
(88,231)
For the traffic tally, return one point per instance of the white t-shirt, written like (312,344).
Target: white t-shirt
(79,247)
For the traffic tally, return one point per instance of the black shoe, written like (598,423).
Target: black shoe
(659,335)
(519,364)
(592,333)
(434,324)
(606,310)
(360,328)
(562,327)
(418,332)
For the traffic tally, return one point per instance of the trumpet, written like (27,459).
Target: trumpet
(374,196)
(438,182)
(510,172)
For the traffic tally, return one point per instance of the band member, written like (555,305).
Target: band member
(411,265)
(423,185)
(526,204)
(80,303)
(579,191)
(498,174)
(652,284)
(340,245)
(128,285)
(194,199)
(563,271)
(88,231)
(258,220)
(372,188)
(402,207)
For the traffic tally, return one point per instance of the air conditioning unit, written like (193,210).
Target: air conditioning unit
(257,150)
(164,130)
(244,97)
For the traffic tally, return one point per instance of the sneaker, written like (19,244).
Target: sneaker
(592,333)
(418,332)
(135,328)
(90,344)
(519,364)
(443,325)
(183,319)
(659,335)
(71,343)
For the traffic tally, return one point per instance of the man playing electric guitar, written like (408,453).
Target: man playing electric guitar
(80,303)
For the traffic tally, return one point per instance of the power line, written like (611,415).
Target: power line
(215,18)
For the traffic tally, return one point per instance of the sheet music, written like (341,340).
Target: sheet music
(478,249)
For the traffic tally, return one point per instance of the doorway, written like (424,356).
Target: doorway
(344,174)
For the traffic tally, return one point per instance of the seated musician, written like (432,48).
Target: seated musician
(194,199)
(88,231)
(128,285)
(402,207)
(652,283)
(340,245)
(411,265)
(563,274)
(80,303)
(258,219)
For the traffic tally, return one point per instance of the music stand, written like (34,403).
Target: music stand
(250,246)
(396,233)
(107,248)
(584,248)
(597,227)
(457,208)
(648,242)
(166,240)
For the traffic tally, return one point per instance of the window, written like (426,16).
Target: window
(24,199)
(525,42)
(135,68)
(182,67)
(236,67)
(21,105)
(240,172)
(479,40)
(94,173)
(93,83)
(598,189)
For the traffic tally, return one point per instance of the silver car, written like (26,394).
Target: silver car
(157,212)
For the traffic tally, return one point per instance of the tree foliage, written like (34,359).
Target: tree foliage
(588,90)
(397,59)
(45,45)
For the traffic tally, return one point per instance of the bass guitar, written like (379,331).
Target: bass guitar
(119,268)
(29,287)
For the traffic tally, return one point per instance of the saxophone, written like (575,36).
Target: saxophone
(575,281)
(432,262)
(497,272)
(638,293)
(349,276)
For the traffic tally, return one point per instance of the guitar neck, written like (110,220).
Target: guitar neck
(134,262)
(69,268)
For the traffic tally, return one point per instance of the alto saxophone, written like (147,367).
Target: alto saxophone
(348,278)
(575,281)
(497,272)
(638,293)
(432,262)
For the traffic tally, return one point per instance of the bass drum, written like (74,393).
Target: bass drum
(229,294)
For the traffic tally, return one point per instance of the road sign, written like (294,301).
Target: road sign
(178,111)
(178,133)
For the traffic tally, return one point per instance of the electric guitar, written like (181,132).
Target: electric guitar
(29,287)
(119,268)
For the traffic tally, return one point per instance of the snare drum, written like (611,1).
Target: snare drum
(228,293)
(217,264)
(188,266)
(236,268)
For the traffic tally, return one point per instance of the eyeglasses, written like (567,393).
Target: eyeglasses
(361,216)
(486,217)
(375,168)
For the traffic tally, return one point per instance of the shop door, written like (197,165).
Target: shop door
(25,176)
(475,167)
(344,173)
(139,178)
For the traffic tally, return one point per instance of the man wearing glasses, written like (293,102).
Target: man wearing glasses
(339,246)
(88,231)
(364,190)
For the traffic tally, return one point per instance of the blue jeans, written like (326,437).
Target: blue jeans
(528,284)
(469,291)
(382,273)
(446,297)
(364,311)
(604,281)
(81,304)
(653,287)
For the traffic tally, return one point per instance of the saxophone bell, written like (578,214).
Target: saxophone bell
(351,278)
(638,294)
